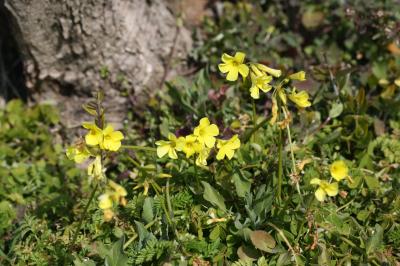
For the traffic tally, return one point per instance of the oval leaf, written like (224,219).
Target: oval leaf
(262,240)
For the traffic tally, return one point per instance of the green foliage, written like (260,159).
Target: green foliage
(230,212)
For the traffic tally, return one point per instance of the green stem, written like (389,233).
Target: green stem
(130,240)
(84,214)
(169,205)
(294,170)
(282,234)
(139,148)
(195,172)
(280,166)
(248,135)
(254,119)
(163,206)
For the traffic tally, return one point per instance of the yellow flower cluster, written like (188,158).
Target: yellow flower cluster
(200,142)
(339,171)
(104,139)
(261,77)
(115,194)
(95,142)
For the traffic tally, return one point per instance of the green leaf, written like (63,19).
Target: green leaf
(242,185)
(362,215)
(148,214)
(375,241)
(372,182)
(116,257)
(336,110)
(80,262)
(211,195)
(248,253)
(262,240)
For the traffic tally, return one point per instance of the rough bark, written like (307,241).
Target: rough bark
(66,44)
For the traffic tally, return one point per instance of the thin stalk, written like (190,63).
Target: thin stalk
(280,232)
(167,214)
(168,198)
(280,167)
(83,215)
(294,170)
(195,172)
(130,240)
(163,206)
(254,119)
(138,148)
(248,135)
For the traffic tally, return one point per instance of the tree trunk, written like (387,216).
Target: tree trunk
(67,46)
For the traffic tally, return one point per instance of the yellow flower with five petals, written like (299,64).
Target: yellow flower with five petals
(206,132)
(191,145)
(169,147)
(227,147)
(111,139)
(260,81)
(233,65)
(107,138)
(325,188)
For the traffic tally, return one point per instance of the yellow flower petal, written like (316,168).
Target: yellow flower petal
(274,72)
(105,201)
(300,99)
(339,170)
(255,92)
(172,154)
(301,76)
(239,57)
(233,74)
(243,70)
(332,189)
(209,141)
(320,194)
(162,150)
(226,58)
(224,68)
(212,130)
(116,135)
(315,181)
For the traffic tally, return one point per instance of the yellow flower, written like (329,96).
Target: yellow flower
(108,214)
(111,139)
(259,82)
(191,145)
(95,169)
(105,201)
(107,139)
(282,95)
(274,72)
(300,99)
(206,132)
(397,82)
(325,188)
(233,65)
(78,152)
(118,189)
(227,147)
(339,170)
(202,157)
(301,76)
(169,147)
(94,136)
